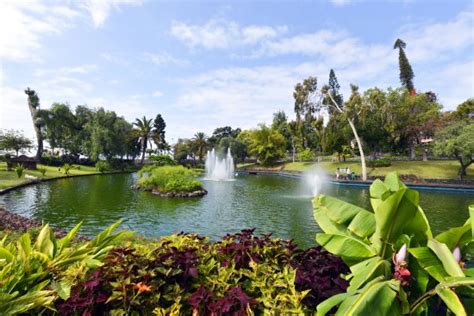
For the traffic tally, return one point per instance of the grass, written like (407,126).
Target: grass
(9,178)
(439,169)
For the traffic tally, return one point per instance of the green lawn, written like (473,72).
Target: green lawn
(9,178)
(440,169)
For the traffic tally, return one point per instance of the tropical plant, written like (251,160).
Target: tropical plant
(306,155)
(163,160)
(19,170)
(199,143)
(34,273)
(396,265)
(66,168)
(144,131)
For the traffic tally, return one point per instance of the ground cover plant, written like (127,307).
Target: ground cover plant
(168,179)
(397,266)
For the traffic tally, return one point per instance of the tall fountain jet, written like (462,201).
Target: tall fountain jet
(219,169)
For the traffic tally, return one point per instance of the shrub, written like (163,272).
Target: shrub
(42,170)
(163,160)
(102,166)
(379,163)
(66,168)
(19,170)
(168,179)
(306,155)
(186,274)
(34,274)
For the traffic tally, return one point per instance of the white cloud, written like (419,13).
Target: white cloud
(219,33)
(63,71)
(100,9)
(164,58)
(340,3)
(23,24)
(157,93)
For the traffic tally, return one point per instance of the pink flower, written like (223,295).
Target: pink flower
(457,254)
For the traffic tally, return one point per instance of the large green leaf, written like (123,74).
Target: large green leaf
(375,299)
(350,249)
(45,242)
(457,235)
(428,261)
(328,304)
(446,257)
(391,217)
(367,270)
(451,300)
(335,217)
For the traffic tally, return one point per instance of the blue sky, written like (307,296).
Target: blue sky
(204,64)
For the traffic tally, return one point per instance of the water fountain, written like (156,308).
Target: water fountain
(313,181)
(219,169)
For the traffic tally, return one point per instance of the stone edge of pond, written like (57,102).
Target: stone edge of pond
(424,184)
(37,181)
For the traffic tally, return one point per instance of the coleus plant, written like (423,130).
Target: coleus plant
(396,265)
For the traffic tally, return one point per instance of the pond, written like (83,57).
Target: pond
(272,204)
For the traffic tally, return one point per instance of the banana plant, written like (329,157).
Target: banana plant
(31,274)
(396,265)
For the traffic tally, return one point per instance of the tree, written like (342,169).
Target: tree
(406,72)
(280,123)
(349,111)
(60,127)
(158,136)
(199,143)
(456,140)
(464,110)
(14,140)
(182,149)
(38,122)
(305,106)
(144,131)
(333,86)
(222,132)
(267,144)
(237,147)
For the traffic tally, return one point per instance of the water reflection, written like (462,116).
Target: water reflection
(268,203)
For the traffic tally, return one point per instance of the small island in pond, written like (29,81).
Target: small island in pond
(169,181)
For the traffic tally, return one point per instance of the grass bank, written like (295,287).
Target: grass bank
(439,169)
(10,178)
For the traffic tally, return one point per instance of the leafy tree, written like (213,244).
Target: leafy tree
(333,86)
(267,144)
(305,106)
(60,126)
(411,118)
(464,110)
(237,147)
(199,144)
(38,122)
(182,149)
(280,123)
(406,72)
(349,112)
(457,141)
(14,140)
(222,132)
(144,131)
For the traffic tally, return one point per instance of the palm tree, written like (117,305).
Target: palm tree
(144,131)
(200,143)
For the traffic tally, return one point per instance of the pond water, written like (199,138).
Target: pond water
(272,204)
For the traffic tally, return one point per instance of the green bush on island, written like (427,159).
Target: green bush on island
(102,166)
(163,160)
(167,179)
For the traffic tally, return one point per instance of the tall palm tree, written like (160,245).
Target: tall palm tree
(406,72)
(38,122)
(144,131)
(200,144)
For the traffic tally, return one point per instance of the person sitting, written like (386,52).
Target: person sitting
(338,175)
(349,173)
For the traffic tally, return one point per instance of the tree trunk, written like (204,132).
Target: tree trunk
(361,150)
(425,155)
(143,151)
(412,151)
(17,152)
(293,144)
(464,166)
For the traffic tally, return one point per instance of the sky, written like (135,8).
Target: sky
(205,64)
